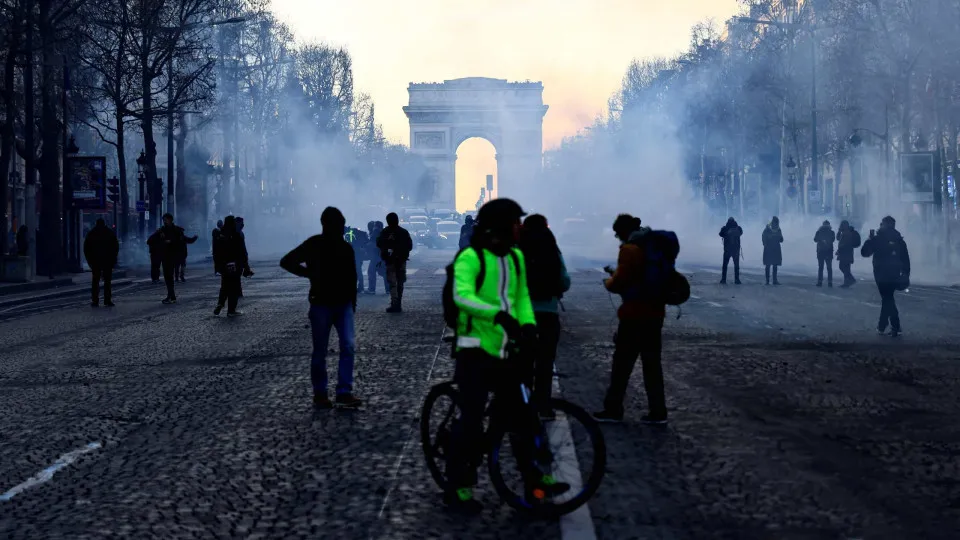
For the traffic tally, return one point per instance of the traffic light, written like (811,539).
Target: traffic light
(113,189)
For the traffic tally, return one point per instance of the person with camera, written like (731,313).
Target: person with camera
(891,271)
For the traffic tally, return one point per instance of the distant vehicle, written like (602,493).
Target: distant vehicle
(419,230)
(408,213)
(443,214)
(446,235)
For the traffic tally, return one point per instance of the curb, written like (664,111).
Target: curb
(30,286)
(57,294)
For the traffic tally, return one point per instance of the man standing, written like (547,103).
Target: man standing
(824,239)
(172,245)
(891,270)
(231,262)
(466,231)
(328,261)
(731,233)
(358,241)
(101,249)
(395,246)
(772,237)
(155,246)
(639,331)
(214,238)
(848,239)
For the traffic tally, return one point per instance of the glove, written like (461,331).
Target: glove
(509,325)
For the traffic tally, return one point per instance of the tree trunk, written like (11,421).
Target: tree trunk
(150,145)
(51,200)
(124,225)
(7,140)
(181,173)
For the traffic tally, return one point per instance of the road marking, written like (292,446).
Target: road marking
(439,271)
(577,525)
(46,474)
(871,305)
(714,304)
(412,271)
(695,297)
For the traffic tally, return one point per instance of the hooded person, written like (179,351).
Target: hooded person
(466,231)
(731,233)
(395,246)
(772,253)
(101,249)
(891,271)
(824,239)
(848,239)
(230,259)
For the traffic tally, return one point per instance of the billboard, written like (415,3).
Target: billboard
(917,177)
(87,187)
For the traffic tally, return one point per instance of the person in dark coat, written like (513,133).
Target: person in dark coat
(231,261)
(101,249)
(214,238)
(154,243)
(395,246)
(848,239)
(466,232)
(358,240)
(731,233)
(891,271)
(172,246)
(772,253)
(181,264)
(824,239)
(373,255)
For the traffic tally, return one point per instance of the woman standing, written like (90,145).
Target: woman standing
(772,254)
(230,259)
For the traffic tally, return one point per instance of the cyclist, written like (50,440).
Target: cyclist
(492,314)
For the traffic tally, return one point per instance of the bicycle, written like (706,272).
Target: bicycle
(550,445)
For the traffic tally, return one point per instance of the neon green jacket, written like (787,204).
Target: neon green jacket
(504,288)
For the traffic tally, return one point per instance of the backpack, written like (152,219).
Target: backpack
(856,238)
(451,313)
(661,283)
(544,270)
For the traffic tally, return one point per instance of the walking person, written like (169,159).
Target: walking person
(466,231)
(231,262)
(358,240)
(640,330)
(101,249)
(214,238)
(825,238)
(772,253)
(172,245)
(547,280)
(891,271)
(372,255)
(731,233)
(848,239)
(328,261)
(395,246)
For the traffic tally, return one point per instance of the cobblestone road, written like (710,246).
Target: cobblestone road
(789,418)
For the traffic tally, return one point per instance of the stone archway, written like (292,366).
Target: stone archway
(508,114)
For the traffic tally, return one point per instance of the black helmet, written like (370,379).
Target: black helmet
(499,213)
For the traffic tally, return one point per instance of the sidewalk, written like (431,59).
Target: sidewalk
(64,291)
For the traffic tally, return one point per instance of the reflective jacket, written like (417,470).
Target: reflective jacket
(504,288)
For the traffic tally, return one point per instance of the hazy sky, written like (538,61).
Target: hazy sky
(580,49)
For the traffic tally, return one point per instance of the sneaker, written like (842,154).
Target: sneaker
(895,332)
(218,309)
(169,301)
(394,309)
(369,291)
(608,417)
(235,313)
(881,331)
(654,420)
(775,282)
(723,282)
(462,501)
(94,304)
(108,303)
(348,400)
(321,401)
(737,282)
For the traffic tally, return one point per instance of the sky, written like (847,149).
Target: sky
(579,49)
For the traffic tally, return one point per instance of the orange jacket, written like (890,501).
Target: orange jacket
(629,272)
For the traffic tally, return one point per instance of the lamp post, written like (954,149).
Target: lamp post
(141,202)
(70,217)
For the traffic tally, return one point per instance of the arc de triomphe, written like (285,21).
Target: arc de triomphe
(508,114)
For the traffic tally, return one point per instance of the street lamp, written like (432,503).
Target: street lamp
(814,158)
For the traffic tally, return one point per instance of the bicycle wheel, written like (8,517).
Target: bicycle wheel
(578,456)
(436,419)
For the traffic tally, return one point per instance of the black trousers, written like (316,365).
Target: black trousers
(847,274)
(169,277)
(548,336)
(888,307)
(229,291)
(736,265)
(637,337)
(359,265)
(179,269)
(824,260)
(155,267)
(106,274)
(766,271)
(477,374)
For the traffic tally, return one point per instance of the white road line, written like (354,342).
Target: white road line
(439,271)
(871,305)
(577,525)
(46,474)
(695,297)
(412,271)
(714,304)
